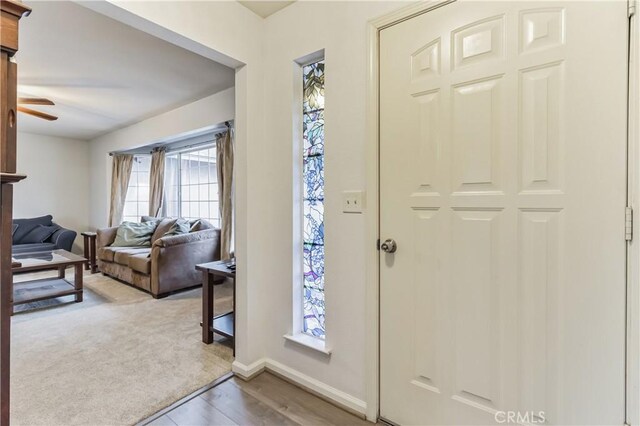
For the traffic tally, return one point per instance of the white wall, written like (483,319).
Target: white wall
(57,181)
(340,29)
(264,106)
(203,113)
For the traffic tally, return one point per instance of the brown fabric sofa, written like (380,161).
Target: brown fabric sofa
(168,265)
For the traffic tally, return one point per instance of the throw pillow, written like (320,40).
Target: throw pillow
(132,234)
(26,225)
(163,227)
(201,225)
(180,226)
(14,228)
(39,234)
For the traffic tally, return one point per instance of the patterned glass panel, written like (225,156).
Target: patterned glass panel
(314,290)
(313,196)
(313,171)
(313,223)
(313,85)
(313,133)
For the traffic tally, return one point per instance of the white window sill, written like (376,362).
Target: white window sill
(309,342)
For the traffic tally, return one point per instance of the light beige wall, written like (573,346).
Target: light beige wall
(340,29)
(57,181)
(205,112)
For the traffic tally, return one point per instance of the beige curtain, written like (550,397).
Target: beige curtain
(224,153)
(156,182)
(121,165)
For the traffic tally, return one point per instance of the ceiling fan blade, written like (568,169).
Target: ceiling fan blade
(37,113)
(35,101)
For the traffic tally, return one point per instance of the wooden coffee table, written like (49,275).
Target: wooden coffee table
(47,288)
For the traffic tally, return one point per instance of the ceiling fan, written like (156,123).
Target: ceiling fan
(36,101)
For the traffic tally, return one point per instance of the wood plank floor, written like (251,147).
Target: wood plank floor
(265,400)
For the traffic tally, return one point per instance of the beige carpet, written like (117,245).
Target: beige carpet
(114,359)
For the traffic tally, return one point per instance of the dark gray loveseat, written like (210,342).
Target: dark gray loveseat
(40,234)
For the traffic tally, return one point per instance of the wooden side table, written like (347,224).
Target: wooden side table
(90,251)
(224,324)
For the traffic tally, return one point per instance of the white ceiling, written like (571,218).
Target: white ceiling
(102,74)
(265,8)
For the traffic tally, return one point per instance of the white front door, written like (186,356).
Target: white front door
(503,183)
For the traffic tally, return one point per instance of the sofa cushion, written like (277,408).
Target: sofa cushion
(31,248)
(39,234)
(14,228)
(122,256)
(108,253)
(26,225)
(163,227)
(133,234)
(140,263)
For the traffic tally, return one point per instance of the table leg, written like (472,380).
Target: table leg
(92,255)
(207,307)
(77,282)
(234,316)
(86,252)
(61,272)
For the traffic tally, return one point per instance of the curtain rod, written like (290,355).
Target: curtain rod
(226,123)
(195,145)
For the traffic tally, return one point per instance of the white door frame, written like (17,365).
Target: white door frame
(372,293)
(633,250)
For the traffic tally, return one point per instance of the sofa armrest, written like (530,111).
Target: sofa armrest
(63,238)
(191,237)
(174,259)
(106,236)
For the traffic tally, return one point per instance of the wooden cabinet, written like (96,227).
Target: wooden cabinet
(10,13)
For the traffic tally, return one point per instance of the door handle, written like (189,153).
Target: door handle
(389,246)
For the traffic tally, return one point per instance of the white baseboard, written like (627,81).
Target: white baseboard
(336,396)
(247,372)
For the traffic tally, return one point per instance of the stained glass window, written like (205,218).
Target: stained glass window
(313,198)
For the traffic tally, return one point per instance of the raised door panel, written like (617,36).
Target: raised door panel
(426,300)
(476,280)
(478,42)
(539,300)
(427,146)
(541,128)
(478,110)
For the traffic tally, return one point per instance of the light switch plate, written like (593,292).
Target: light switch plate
(352,201)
